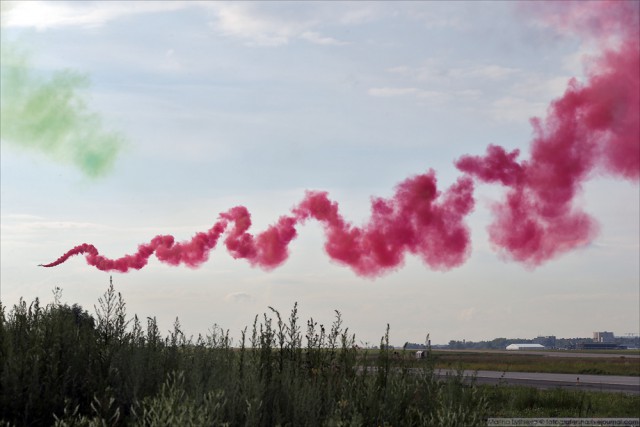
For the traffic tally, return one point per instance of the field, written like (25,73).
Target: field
(593,363)
(62,366)
(610,364)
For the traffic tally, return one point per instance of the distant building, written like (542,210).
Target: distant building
(600,346)
(631,340)
(547,341)
(525,347)
(603,337)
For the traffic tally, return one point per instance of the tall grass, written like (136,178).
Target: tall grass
(61,366)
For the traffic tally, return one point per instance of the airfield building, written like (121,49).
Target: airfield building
(600,346)
(525,347)
(548,341)
(603,337)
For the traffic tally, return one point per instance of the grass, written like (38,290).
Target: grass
(516,401)
(518,362)
(492,361)
(627,352)
(61,366)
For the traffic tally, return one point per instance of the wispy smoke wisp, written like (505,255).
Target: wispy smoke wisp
(51,114)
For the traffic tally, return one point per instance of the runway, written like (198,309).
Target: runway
(569,353)
(608,383)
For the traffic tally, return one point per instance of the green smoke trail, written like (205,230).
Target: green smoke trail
(51,115)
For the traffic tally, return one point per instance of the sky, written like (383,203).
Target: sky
(123,121)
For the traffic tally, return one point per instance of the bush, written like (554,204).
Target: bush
(62,366)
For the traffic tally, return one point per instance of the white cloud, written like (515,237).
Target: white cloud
(31,223)
(616,243)
(26,223)
(491,71)
(425,96)
(239,297)
(257,26)
(430,69)
(534,86)
(436,16)
(467,314)
(263,27)
(316,38)
(44,15)
(574,63)
(505,94)
(392,91)
(433,96)
(469,93)
(241,21)
(435,70)
(24,217)
(514,109)
(362,13)
(582,296)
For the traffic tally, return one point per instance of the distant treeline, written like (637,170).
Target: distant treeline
(560,343)
(60,365)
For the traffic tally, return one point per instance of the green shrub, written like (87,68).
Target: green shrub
(62,366)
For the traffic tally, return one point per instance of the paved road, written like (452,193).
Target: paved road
(610,383)
(568,353)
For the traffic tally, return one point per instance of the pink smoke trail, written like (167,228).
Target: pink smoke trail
(593,128)
(418,219)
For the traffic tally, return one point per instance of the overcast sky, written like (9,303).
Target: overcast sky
(225,104)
